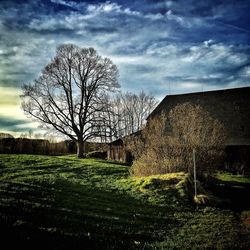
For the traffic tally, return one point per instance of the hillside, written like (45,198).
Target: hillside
(62,202)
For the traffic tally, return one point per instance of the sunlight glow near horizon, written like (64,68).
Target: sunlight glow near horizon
(10,107)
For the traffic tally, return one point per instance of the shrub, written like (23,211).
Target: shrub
(97,154)
(167,142)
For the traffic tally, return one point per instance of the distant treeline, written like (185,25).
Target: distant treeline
(44,147)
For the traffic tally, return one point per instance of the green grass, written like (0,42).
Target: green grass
(63,202)
(228,177)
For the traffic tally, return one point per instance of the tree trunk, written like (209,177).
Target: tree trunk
(80,149)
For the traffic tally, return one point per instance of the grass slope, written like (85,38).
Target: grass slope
(53,202)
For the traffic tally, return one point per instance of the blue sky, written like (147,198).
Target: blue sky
(159,46)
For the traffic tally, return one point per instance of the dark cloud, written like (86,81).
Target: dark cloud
(101,29)
(12,124)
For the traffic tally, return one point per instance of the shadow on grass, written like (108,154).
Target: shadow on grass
(114,162)
(234,194)
(66,215)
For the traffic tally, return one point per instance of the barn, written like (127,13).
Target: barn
(118,151)
(230,106)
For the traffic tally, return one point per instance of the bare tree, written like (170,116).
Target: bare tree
(5,135)
(193,127)
(126,113)
(69,94)
(150,149)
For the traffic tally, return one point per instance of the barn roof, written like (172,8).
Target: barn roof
(171,100)
(120,141)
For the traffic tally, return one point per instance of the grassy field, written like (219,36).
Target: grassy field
(49,202)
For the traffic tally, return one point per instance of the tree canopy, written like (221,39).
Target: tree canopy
(69,94)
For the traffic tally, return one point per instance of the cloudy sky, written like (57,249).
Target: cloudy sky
(160,46)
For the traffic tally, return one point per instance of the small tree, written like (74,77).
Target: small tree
(167,142)
(68,97)
(194,128)
(150,149)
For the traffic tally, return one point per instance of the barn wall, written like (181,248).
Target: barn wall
(238,159)
(117,153)
(231,107)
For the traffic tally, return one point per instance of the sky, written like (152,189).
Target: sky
(162,47)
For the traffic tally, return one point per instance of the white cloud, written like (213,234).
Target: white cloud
(109,7)
(208,42)
(212,53)
(189,85)
(162,51)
